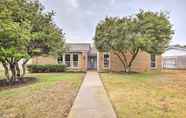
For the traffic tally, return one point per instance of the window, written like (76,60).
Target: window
(75,60)
(60,59)
(169,63)
(106,60)
(71,60)
(153,61)
(67,60)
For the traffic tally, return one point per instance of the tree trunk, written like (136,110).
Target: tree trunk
(18,71)
(128,69)
(122,61)
(24,67)
(132,60)
(127,63)
(6,71)
(13,71)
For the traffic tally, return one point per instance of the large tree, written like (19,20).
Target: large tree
(125,37)
(26,31)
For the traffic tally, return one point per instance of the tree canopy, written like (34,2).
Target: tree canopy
(125,37)
(26,31)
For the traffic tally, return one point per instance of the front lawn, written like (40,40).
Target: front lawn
(51,96)
(147,95)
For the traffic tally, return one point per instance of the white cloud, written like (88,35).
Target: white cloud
(74,3)
(78,18)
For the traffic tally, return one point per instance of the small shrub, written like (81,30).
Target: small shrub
(46,68)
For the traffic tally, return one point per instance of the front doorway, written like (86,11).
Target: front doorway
(92,62)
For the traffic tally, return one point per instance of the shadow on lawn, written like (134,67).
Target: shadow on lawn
(4,84)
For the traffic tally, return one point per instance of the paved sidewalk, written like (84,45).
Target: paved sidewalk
(92,101)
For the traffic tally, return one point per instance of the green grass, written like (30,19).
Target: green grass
(147,95)
(44,81)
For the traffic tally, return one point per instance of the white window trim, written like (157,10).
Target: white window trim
(153,68)
(108,60)
(71,60)
(65,60)
(98,61)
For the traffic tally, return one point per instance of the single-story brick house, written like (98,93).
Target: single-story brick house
(83,56)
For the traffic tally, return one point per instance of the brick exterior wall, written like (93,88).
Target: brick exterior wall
(83,61)
(140,64)
(53,60)
(44,60)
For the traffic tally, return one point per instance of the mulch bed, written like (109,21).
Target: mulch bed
(4,84)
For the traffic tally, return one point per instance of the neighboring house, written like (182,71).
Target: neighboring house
(174,58)
(83,56)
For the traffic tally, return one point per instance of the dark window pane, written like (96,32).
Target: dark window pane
(75,63)
(67,57)
(153,65)
(75,57)
(75,60)
(106,60)
(153,60)
(67,60)
(60,59)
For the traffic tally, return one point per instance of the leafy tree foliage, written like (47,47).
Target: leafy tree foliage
(26,31)
(126,37)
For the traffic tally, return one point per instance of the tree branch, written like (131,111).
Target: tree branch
(23,66)
(120,58)
(133,57)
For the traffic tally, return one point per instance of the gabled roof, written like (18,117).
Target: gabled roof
(176,48)
(77,47)
(174,51)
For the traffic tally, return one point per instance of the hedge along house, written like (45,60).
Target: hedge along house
(83,56)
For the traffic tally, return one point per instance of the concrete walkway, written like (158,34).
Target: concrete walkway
(92,101)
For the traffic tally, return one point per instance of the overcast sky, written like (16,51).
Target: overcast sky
(78,18)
